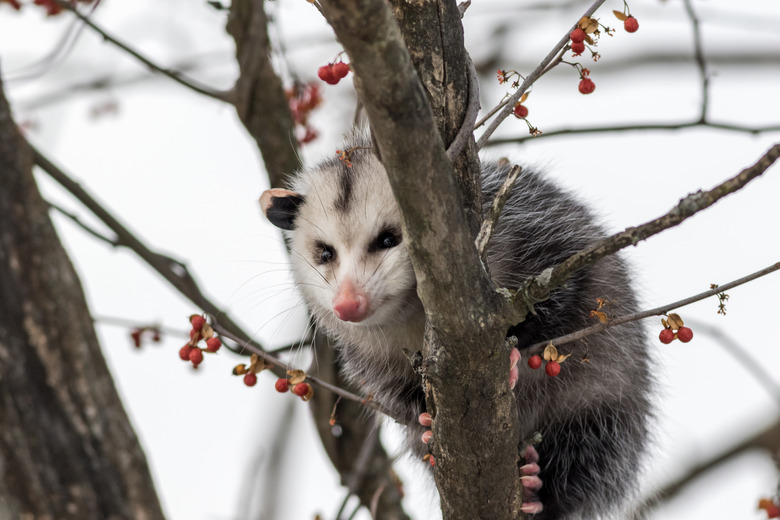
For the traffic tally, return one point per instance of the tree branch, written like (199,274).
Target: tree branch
(658,311)
(538,288)
(174,75)
(529,80)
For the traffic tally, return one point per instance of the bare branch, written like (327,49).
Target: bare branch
(250,346)
(543,67)
(700,60)
(489,224)
(110,241)
(658,311)
(174,75)
(538,288)
(636,127)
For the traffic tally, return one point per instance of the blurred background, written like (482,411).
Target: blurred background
(181,172)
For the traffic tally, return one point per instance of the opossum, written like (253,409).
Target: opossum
(353,270)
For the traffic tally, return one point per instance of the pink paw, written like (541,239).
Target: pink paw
(531,482)
(514,372)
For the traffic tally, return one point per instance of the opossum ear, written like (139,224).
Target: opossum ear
(281,207)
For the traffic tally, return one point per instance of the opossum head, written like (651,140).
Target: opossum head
(347,251)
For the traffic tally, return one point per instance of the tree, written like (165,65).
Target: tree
(389,88)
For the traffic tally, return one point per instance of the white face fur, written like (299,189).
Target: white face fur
(348,256)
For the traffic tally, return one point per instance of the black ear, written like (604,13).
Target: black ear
(281,207)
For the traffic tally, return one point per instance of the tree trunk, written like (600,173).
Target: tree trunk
(67,450)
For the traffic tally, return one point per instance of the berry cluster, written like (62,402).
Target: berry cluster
(553,358)
(138,333)
(770,507)
(332,73)
(200,331)
(674,328)
(256,365)
(297,380)
(302,99)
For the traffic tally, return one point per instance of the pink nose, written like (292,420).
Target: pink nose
(349,304)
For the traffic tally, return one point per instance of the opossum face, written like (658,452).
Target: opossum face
(348,255)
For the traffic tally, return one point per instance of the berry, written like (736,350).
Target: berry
(301,389)
(631,24)
(684,334)
(213,344)
(197,322)
(577,35)
(282,385)
(553,368)
(521,111)
(340,69)
(196,356)
(578,48)
(535,362)
(666,336)
(184,353)
(587,86)
(250,379)
(328,75)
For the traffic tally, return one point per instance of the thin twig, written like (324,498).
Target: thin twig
(633,128)
(466,130)
(174,75)
(110,241)
(489,224)
(700,60)
(250,346)
(658,311)
(531,78)
(538,288)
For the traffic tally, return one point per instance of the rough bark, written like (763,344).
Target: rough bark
(258,94)
(67,450)
(475,431)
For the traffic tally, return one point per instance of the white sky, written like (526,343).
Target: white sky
(181,171)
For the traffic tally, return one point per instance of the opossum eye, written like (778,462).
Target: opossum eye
(325,252)
(385,240)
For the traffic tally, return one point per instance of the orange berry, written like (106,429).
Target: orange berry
(577,35)
(684,334)
(587,86)
(282,385)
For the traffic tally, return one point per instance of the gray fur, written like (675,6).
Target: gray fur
(593,417)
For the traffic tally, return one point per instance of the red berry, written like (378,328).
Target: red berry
(213,344)
(521,111)
(684,334)
(250,379)
(301,389)
(535,362)
(578,48)
(196,356)
(184,353)
(772,511)
(282,385)
(666,336)
(587,86)
(197,322)
(577,35)
(631,24)
(340,69)
(553,368)
(328,75)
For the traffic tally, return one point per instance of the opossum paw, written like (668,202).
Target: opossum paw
(514,372)
(531,482)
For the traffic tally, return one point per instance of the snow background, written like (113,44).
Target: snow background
(182,173)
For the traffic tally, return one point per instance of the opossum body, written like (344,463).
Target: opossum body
(353,270)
